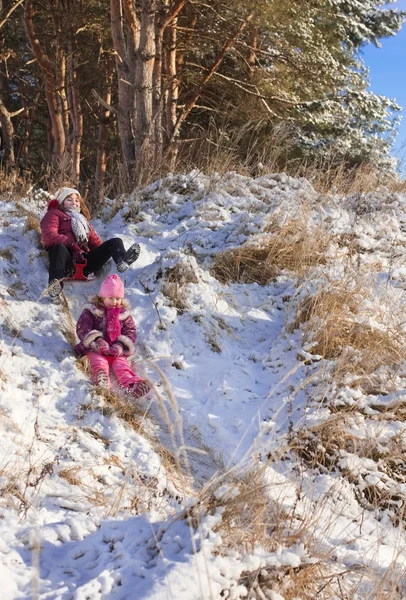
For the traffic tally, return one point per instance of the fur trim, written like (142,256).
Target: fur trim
(53,204)
(124,315)
(129,346)
(92,336)
(100,311)
(95,310)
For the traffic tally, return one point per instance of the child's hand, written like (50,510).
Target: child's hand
(76,249)
(100,346)
(77,252)
(116,350)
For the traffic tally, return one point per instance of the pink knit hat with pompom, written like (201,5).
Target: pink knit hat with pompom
(112,287)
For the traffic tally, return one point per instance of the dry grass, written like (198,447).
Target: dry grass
(246,516)
(13,184)
(323,447)
(250,519)
(329,177)
(175,280)
(71,475)
(33,224)
(255,149)
(291,246)
(320,446)
(305,582)
(331,320)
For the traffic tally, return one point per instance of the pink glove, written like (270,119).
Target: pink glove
(116,350)
(100,346)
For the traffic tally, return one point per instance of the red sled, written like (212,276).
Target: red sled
(78,275)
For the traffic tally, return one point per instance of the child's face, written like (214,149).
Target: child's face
(111,301)
(72,201)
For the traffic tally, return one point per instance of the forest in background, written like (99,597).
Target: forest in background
(110,95)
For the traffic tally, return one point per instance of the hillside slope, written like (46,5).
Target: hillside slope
(258,468)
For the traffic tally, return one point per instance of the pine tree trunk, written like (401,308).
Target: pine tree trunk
(7,136)
(48,72)
(124,61)
(101,159)
(75,111)
(172,92)
(144,147)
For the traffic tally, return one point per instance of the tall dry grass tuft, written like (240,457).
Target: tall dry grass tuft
(291,246)
(336,325)
(320,446)
(331,176)
(255,149)
(13,184)
(251,518)
(174,282)
(246,512)
(305,582)
(32,223)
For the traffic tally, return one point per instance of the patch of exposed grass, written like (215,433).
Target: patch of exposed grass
(174,282)
(339,325)
(289,247)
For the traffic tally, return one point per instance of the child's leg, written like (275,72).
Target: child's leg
(122,370)
(100,369)
(97,258)
(137,386)
(60,262)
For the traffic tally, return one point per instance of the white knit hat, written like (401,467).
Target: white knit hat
(63,193)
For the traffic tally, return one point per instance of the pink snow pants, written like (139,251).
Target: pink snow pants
(120,367)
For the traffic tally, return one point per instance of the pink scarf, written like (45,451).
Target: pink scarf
(113,325)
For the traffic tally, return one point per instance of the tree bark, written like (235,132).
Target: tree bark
(144,150)
(125,56)
(227,46)
(7,136)
(101,159)
(47,68)
(75,111)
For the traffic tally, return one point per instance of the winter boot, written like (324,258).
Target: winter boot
(55,291)
(102,379)
(139,389)
(129,257)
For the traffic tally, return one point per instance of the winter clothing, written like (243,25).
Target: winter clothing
(100,346)
(55,291)
(69,238)
(63,193)
(56,228)
(112,287)
(120,367)
(131,256)
(107,336)
(116,350)
(80,226)
(95,323)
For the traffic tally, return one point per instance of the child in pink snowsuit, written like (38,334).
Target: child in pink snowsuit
(107,336)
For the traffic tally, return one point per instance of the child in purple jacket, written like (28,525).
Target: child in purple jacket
(107,336)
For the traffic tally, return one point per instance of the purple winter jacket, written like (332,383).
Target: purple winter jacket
(92,325)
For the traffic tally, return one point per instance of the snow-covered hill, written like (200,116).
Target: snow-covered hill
(257,469)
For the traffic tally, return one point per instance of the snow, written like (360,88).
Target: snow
(93,507)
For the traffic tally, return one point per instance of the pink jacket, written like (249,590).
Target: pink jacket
(92,326)
(57,229)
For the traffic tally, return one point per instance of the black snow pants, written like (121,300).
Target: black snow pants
(61,258)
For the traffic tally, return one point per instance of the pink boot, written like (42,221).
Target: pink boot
(139,389)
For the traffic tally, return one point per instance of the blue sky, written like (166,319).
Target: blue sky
(387,66)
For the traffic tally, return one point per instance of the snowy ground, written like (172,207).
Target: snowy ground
(91,507)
